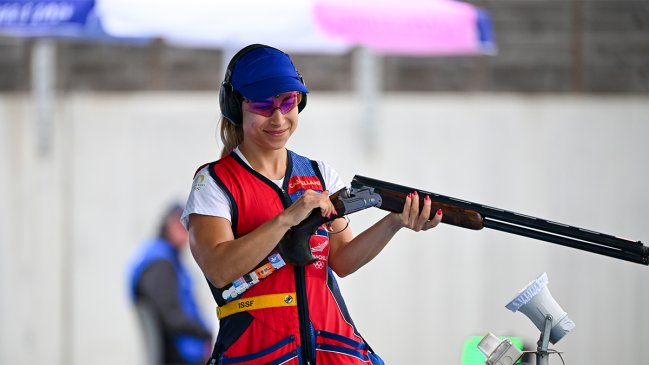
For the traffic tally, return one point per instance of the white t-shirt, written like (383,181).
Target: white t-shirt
(207,198)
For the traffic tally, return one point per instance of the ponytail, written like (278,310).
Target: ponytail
(231,136)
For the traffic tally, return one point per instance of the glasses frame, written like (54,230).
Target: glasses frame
(275,99)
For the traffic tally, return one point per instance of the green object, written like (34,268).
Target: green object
(471,355)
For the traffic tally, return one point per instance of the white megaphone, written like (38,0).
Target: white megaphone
(536,302)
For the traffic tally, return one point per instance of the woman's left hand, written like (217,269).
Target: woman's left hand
(413,219)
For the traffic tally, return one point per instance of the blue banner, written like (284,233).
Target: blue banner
(44,14)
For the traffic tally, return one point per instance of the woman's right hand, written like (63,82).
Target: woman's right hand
(304,205)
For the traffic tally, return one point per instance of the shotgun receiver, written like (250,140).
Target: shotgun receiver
(366,192)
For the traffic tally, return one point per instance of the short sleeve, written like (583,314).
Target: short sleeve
(332,180)
(206,198)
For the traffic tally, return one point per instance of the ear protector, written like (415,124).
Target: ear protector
(230,99)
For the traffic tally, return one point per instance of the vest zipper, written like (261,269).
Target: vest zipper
(303,316)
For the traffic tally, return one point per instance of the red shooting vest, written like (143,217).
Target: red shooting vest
(319,329)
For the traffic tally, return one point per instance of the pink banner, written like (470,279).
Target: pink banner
(417,27)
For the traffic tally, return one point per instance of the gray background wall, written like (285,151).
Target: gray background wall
(70,220)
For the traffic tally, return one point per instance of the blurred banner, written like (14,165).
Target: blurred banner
(44,17)
(420,27)
(285,24)
(57,19)
(410,27)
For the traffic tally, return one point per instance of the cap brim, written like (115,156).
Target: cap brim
(273,86)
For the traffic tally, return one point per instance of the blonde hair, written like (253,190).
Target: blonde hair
(231,136)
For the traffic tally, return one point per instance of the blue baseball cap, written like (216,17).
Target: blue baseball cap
(265,72)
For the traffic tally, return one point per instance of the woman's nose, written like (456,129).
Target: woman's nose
(276,117)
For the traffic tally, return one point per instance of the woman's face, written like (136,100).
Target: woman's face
(264,124)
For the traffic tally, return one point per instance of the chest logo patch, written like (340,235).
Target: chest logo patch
(297,183)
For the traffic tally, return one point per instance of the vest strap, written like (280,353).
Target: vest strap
(258,302)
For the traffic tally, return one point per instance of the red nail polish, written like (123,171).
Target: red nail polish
(427,198)
(415,193)
(409,195)
(439,212)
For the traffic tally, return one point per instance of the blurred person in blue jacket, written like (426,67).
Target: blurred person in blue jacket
(161,289)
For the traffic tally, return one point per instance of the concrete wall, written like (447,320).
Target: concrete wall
(70,217)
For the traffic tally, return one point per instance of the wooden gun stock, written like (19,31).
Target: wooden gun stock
(394,197)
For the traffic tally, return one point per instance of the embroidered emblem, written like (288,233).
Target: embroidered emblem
(320,247)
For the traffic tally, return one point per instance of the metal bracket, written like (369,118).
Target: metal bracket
(542,354)
(357,199)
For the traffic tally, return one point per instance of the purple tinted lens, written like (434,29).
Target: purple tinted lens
(284,102)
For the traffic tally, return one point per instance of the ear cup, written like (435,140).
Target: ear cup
(302,103)
(230,104)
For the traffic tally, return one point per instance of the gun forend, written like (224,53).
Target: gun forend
(393,197)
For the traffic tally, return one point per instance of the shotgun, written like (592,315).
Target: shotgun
(366,192)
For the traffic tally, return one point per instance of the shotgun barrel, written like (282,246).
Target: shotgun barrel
(476,216)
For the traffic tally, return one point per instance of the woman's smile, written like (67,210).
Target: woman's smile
(277,132)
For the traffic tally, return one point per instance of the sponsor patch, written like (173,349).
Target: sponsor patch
(297,183)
